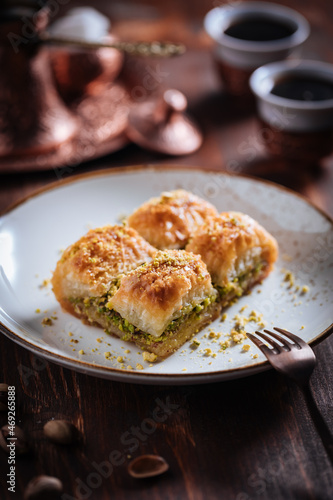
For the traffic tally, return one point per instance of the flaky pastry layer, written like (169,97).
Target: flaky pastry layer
(168,220)
(154,294)
(232,245)
(172,339)
(89,266)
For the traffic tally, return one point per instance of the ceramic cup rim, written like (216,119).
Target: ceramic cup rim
(263,79)
(220,17)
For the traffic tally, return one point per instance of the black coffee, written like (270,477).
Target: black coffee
(304,88)
(260,29)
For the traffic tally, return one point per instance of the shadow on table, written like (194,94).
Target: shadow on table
(219,108)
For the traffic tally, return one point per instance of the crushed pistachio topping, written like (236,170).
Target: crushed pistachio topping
(131,332)
(177,260)
(45,283)
(47,321)
(195,343)
(225,344)
(149,356)
(289,278)
(237,287)
(238,336)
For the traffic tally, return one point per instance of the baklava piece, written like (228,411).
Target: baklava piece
(163,303)
(90,270)
(168,221)
(237,250)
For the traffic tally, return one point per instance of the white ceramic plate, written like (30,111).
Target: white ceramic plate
(33,233)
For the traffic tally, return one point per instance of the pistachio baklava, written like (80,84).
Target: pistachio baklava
(163,303)
(113,278)
(167,221)
(237,250)
(90,269)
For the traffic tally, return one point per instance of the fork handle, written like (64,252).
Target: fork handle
(319,422)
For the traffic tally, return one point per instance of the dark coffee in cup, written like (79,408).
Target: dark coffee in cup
(260,29)
(250,34)
(303,88)
(295,106)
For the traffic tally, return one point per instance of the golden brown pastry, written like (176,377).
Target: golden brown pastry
(160,304)
(114,278)
(168,221)
(237,250)
(92,266)
(163,303)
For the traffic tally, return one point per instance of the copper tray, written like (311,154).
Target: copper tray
(102,123)
(102,127)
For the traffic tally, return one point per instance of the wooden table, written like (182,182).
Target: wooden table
(250,438)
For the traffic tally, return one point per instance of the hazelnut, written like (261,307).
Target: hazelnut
(21,444)
(42,487)
(61,432)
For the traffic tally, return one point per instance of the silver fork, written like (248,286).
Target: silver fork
(296,360)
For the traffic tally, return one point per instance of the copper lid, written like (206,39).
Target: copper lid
(160,124)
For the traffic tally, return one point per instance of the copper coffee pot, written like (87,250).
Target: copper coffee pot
(33,119)
(39,131)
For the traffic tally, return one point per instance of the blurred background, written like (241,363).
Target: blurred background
(232,140)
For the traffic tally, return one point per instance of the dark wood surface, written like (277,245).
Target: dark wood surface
(250,438)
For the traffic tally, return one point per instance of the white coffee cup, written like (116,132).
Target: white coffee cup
(245,55)
(298,126)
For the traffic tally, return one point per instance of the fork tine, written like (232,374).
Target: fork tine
(280,339)
(300,342)
(263,347)
(270,341)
